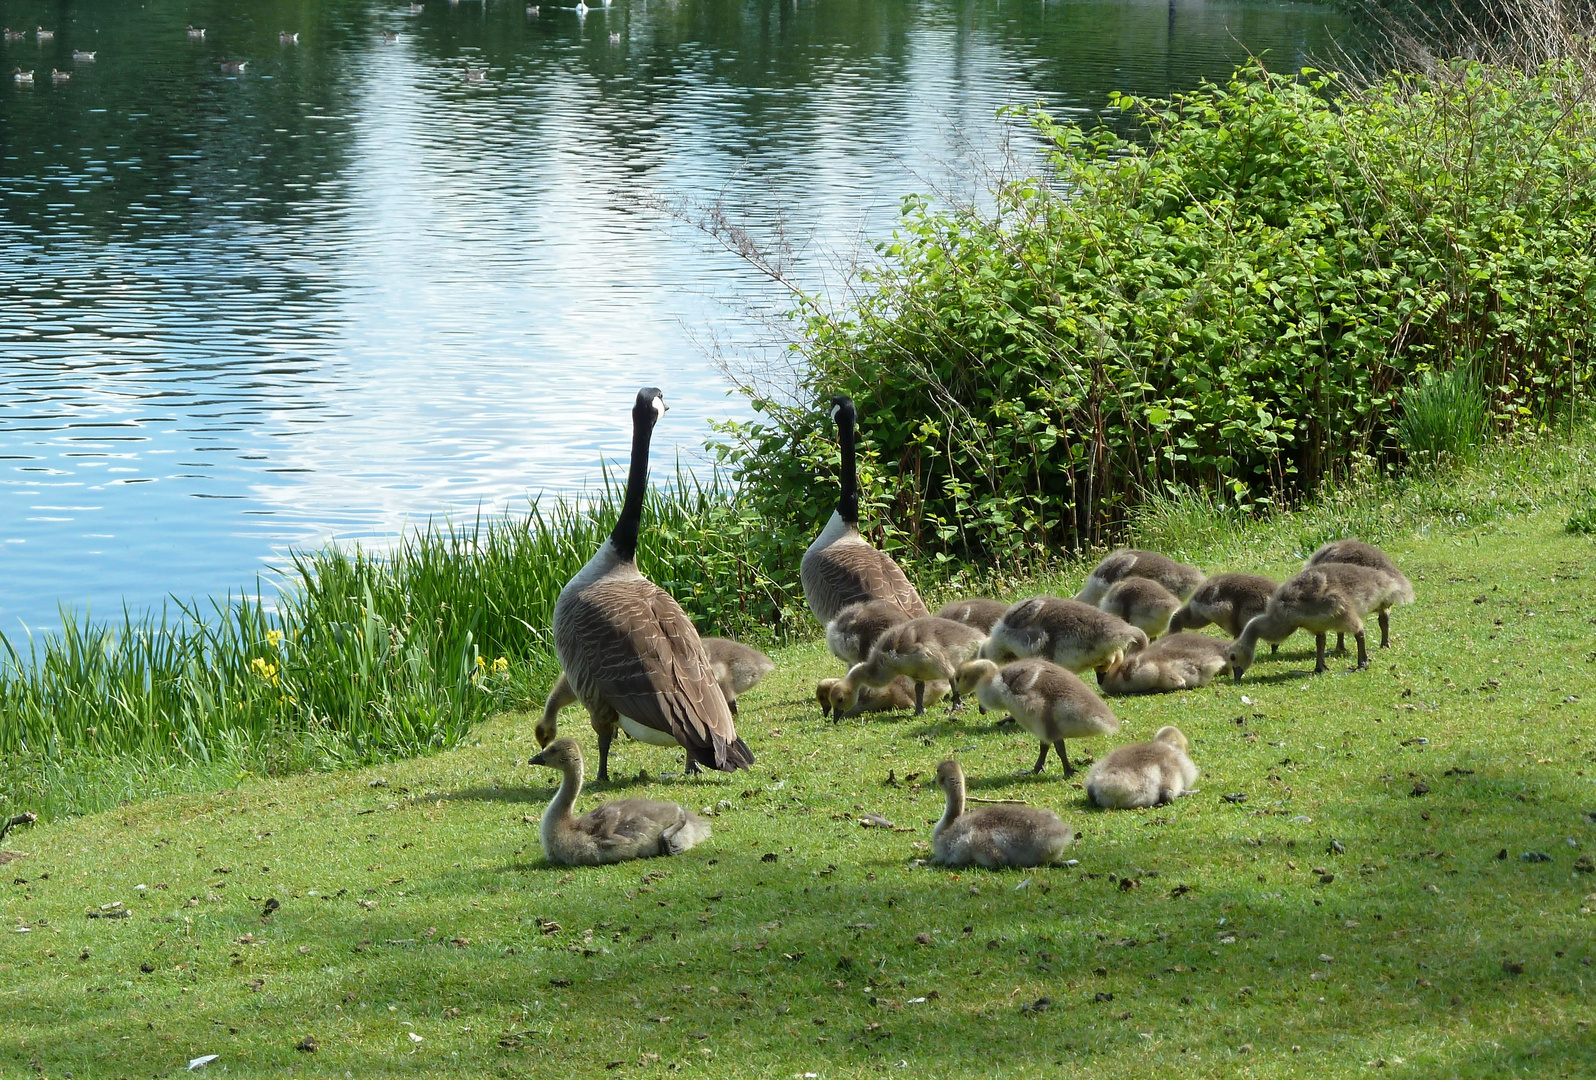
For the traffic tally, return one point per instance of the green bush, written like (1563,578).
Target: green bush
(1236,299)
(1443,416)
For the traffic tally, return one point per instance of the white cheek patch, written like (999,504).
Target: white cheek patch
(835,409)
(659,407)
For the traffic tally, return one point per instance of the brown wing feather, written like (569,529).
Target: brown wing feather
(852,573)
(629,644)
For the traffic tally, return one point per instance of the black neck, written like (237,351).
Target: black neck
(624,536)
(848,503)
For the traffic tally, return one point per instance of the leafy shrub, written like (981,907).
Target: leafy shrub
(1443,416)
(1234,300)
(1583,519)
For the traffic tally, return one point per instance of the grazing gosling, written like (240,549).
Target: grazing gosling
(994,836)
(1072,634)
(1330,596)
(1178,578)
(614,831)
(924,649)
(1143,774)
(896,695)
(853,632)
(1228,601)
(1142,602)
(1049,702)
(1176,662)
(1355,551)
(978,612)
(737,668)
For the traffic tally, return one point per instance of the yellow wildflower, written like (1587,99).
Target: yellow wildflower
(264,669)
(501,666)
(274,638)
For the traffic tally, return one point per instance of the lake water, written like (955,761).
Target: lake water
(349,287)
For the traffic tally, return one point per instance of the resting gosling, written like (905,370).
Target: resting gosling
(1142,602)
(1330,596)
(614,831)
(994,836)
(924,649)
(978,612)
(1178,578)
(1228,601)
(1355,551)
(853,632)
(1049,702)
(896,695)
(1070,633)
(1143,774)
(1177,662)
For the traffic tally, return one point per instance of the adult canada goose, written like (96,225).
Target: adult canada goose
(1228,601)
(630,651)
(83,56)
(1072,634)
(1049,702)
(994,836)
(611,832)
(1143,774)
(840,567)
(21,78)
(1178,578)
(1329,596)
(195,33)
(851,635)
(1181,661)
(286,38)
(1355,551)
(896,695)
(924,649)
(234,67)
(1142,602)
(978,612)
(476,74)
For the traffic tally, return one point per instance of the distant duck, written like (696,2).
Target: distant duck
(44,35)
(1141,602)
(994,836)
(614,831)
(286,38)
(581,8)
(195,33)
(60,76)
(21,78)
(416,9)
(389,37)
(1324,597)
(532,11)
(15,35)
(476,74)
(615,38)
(1072,634)
(978,612)
(1143,774)
(1182,661)
(1178,578)
(234,67)
(1049,702)
(82,56)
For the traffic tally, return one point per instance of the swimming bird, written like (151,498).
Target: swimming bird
(615,38)
(196,32)
(1182,661)
(1143,774)
(234,67)
(1321,598)
(417,9)
(389,37)
(627,647)
(60,76)
(21,78)
(1049,702)
(476,74)
(42,34)
(581,8)
(15,35)
(1072,634)
(611,832)
(1355,551)
(83,56)
(924,649)
(1178,578)
(840,567)
(286,38)
(994,836)
(532,10)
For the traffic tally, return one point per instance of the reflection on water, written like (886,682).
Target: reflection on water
(349,287)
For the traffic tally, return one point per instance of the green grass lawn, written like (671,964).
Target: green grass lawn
(1333,922)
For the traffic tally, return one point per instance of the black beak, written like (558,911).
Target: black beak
(1237,673)
(537,759)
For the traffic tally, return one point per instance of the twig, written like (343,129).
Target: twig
(21,819)
(999,802)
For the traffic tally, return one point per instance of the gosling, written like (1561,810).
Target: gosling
(1178,578)
(614,831)
(737,668)
(1177,662)
(994,836)
(853,632)
(895,696)
(1228,601)
(1049,702)
(1142,602)
(1143,774)
(978,612)
(1329,596)
(1355,551)
(924,649)
(1072,634)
